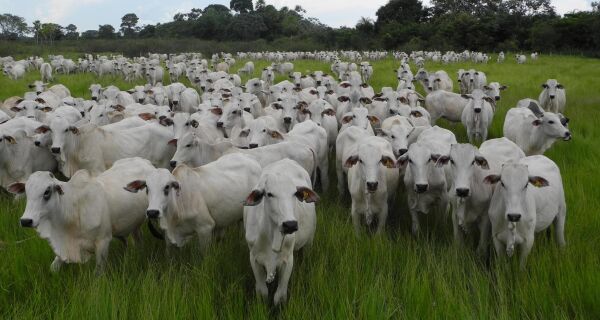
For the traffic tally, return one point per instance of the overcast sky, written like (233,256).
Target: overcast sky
(88,14)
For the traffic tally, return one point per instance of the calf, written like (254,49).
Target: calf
(279,218)
(81,216)
(372,181)
(196,201)
(518,211)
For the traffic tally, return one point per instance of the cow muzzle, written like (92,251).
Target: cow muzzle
(173,163)
(420,188)
(567,136)
(55,150)
(287,120)
(95,98)
(372,186)
(26,223)
(477,110)
(552,96)
(153,214)
(462,192)
(289,227)
(219,124)
(513,217)
(497,98)
(253,145)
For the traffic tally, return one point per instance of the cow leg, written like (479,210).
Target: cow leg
(56,264)
(282,287)
(205,234)
(484,236)
(525,249)
(415,222)
(382,217)
(260,276)
(559,229)
(137,236)
(500,248)
(101,255)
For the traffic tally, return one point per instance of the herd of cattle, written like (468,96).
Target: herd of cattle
(211,155)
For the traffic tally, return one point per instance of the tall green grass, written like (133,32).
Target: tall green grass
(341,276)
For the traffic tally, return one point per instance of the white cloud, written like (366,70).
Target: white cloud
(58,10)
(566,6)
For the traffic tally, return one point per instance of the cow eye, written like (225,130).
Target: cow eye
(410,160)
(264,130)
(166,190)
(66,130)
(270,195)
(47,194)
(472,163)
(189,145)
(187,124)
(551,122)
(452,161)
(502,184)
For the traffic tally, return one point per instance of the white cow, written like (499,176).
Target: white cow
(196,201)
(518,211)
(279,218)
(553,97)
(444,104)
(372,181)
(46,72)
(477,115)
(96,149)
(534,130)
(425,179)
(81,216)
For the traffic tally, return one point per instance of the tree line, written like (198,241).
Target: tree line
(490,25)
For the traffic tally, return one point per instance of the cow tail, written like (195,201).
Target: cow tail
(155,232)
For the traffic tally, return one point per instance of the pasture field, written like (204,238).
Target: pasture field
(341,276)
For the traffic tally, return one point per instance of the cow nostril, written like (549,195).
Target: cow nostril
(175,102)
(219,124)
(552,97)
(95,98)
(37,143)
(26,223)
(514,217)
(253,145)
(289,227)
(497,98)
(402,151)
(247,109)
(152,214)
(567,136)
(173,164)
(372,186)
(462,192)
(477,110)
(55,150)
(421,188)
(287,120)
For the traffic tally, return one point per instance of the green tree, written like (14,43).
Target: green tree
(106,31)
(129,25)
(71,32)
(241,6)
(37,27)
(12,26)
(51,32)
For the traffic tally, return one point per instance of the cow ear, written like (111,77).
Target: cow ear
(381,132)
(16,188)
(491,179)
(40,100)
(254,198)
(403,160)
(441,160)
(351,161)
(482,162)
(275,134)
(545,86)
(388,162)
(135,186)
(15,109)
(536,122)
(19,101)
(74,130)
(560,86)
(172,142)
(403,100)
(10,139)
(503,87)
(346,119)
(416,114)
(306,194)
(42,129)
(147,116)
(119,108)
(58,189)
(175,185)
(538,181)
(486,87)
(365,100)
(466,96)
(373,119)
(329,112)
(31,86)
(46,109)
(216,111)
(490,100)
(244,133)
